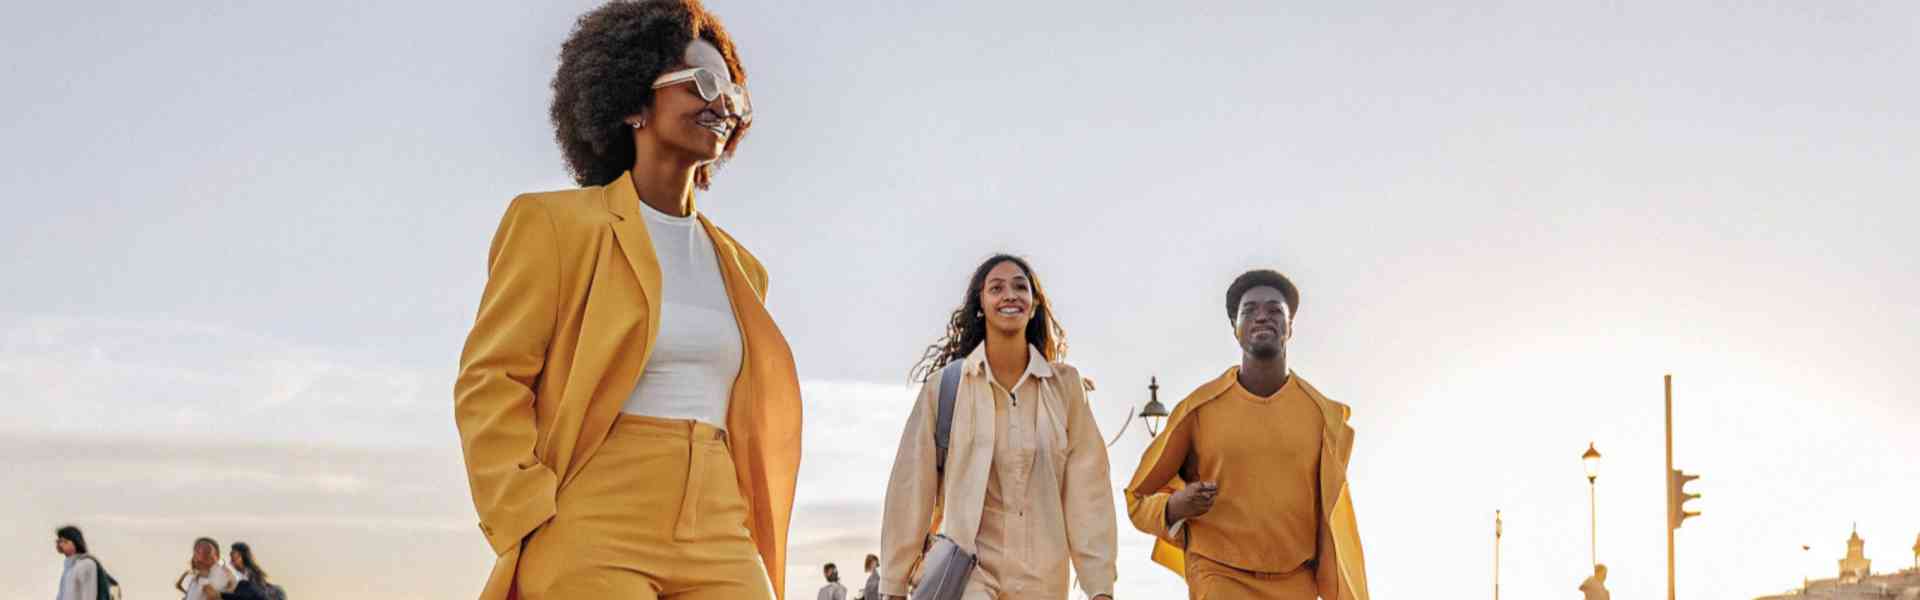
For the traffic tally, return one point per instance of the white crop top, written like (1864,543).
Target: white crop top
(697,353)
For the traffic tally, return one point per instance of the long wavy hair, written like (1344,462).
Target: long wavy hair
(967,328)
(247,565)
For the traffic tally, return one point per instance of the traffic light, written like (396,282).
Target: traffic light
(1677,498)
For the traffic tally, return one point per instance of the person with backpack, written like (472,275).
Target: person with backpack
(253,583)
(1001,458)
(80,578)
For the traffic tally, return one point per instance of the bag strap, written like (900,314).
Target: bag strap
(943,424)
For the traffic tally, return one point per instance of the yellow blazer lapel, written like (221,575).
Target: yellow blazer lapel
(607,334)
(764,414)
(631,232)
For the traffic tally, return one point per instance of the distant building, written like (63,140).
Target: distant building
(1855,566)
(1856,580)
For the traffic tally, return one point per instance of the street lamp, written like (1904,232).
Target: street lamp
(1153,414)
(1591,458)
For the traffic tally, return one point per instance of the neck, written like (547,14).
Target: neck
(1007,355)
(664,181)
(1263,376)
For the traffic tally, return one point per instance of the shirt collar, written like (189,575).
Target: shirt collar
(1037,366)
(1291,386)
(648,212)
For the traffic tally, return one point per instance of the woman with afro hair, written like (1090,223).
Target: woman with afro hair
(628,411)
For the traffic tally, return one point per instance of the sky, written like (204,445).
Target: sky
(244,243)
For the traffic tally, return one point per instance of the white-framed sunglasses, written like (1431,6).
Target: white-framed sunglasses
(711,85)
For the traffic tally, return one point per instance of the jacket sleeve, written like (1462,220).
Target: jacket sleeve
(1155,480)
(493,396)
(912,495)
(1091,523)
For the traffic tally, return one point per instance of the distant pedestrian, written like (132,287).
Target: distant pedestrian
(871,591)
(253,583)
(832,590)
(1595,587)
(79,579)
(206,577)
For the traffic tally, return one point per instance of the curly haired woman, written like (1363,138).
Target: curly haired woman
(1023,484)
(629,412)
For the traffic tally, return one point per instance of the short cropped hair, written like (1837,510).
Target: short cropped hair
(1261,278)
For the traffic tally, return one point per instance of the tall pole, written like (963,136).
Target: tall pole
(1668,475)
(1804,580)
(1593,524)
(1496,555)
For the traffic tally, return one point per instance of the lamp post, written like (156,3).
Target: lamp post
(1805,555)
(1154,414)
(1591,458)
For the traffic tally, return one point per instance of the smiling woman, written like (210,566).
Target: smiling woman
(1020,481)
(629,59)
(620,328)
(967,327)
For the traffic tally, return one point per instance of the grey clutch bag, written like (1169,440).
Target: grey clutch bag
(944,571)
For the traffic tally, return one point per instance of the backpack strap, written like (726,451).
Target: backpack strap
(104,583)
(943,425)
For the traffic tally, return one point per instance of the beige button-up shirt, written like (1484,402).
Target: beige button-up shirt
(1027,485)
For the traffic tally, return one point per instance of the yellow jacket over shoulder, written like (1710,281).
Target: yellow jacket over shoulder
(1338,565)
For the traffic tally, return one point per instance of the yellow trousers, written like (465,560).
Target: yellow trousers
(656,513)
(1209,580)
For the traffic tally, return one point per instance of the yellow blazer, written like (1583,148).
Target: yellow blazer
(1340,570)
(565,327)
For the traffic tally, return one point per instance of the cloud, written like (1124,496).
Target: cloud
(148,377)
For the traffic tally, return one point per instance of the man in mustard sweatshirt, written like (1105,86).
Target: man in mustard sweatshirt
(1246,489)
